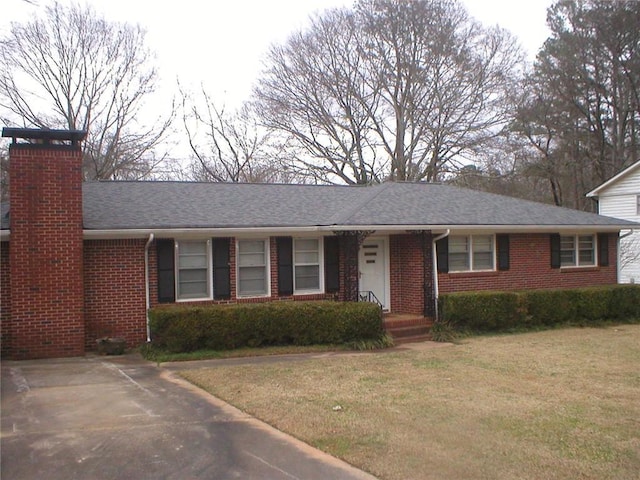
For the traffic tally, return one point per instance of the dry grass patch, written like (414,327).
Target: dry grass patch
(561,404)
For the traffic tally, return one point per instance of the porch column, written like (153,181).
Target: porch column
(427,268)
(350,242)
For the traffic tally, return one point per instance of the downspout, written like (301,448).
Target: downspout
(435,267)
(146,283)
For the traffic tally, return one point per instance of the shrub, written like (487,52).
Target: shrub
(550,307)
(215,327)
(482,311)
(625,303)
(492,311)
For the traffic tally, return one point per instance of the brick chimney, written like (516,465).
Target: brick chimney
(46,316)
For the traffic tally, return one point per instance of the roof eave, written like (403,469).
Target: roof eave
(596,191)
(113,234)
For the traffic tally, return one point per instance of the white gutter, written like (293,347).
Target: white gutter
(435,268)
(262,231)
(146,283)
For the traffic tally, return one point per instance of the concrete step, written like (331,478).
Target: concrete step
(416,339)
(408,328)
(409,331)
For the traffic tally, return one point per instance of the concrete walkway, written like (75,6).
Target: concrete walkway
(124,418)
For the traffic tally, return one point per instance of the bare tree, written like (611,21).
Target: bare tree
(229,146)
(583,109)
(392,88)
(70,68)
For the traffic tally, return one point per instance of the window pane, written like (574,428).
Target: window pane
(482,252)
(192,261)
(251,253)
(483,261)
(307,257)
(458,244)
(252,267)
(193,270)
(251,260)
(567,258)
(567,251)
(251,246)
(193,248)
(306,251)
(307,277)
(307,244)
(482,243)
(252,281)
(567,243)
(458,261)
(586,250)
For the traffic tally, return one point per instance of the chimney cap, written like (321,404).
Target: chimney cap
(44,135)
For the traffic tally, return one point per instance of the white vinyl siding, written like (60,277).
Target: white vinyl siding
(193,268)
(253,268)
(306,265)
(621,199)
(577,250)
(471,253)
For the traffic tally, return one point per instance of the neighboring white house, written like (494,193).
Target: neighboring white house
(620,197)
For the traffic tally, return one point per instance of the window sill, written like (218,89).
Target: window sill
(300,293)
(474,273)
(586,268)
(187,300)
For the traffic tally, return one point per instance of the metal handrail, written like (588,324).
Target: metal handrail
(368,296)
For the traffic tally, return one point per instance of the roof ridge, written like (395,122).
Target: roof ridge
(343,217)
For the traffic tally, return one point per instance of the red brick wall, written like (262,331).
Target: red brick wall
(5,297)
(115,297)
(273,265)
(530,268)
(407,274)
(45,258)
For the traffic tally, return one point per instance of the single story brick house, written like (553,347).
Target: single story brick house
(81,261)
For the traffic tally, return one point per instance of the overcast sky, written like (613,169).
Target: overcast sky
(221,43)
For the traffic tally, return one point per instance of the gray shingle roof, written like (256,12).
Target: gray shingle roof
(125,205)
(183,205)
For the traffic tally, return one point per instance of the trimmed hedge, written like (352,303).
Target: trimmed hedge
(496,311)
(222,327)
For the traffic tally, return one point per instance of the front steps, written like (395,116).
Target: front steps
(407,328)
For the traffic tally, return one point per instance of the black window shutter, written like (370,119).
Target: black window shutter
(166,271)
(221,268)
(502,242)
(555,250)
(331,264)
(285,265)
(603,249)
(442,255)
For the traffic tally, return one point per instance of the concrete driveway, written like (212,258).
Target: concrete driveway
(124,418)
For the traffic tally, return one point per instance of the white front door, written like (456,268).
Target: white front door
(372,263)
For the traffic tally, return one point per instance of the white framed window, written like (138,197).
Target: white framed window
(253,268)
(193,269)
(307,258)
(471,253)
(577,250)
